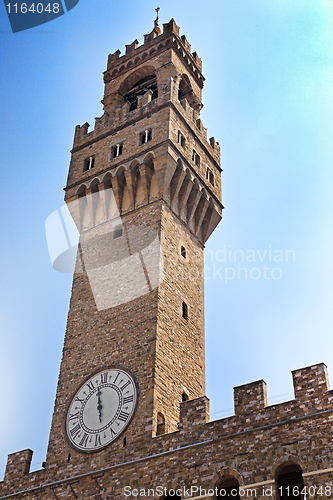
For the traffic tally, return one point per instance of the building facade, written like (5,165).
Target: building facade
(131,419)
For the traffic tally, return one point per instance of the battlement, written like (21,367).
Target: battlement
(295,420)
(135,54)
(312,396)
(18,464)
(122,116)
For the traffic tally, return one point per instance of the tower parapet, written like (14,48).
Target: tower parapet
(152,104)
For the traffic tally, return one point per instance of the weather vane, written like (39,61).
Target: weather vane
(156,26)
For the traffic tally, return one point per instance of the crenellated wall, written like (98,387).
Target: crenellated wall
(250,446)
(153,42)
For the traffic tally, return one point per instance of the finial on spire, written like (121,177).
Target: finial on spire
(156,26)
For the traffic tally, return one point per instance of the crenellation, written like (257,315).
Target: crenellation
(197,60)
(252,444)
(186,44)
(136,54)
(310,382)
(145,193)
(193,412)
(18,464)
(215,145)
(190,115)
(170,27)
(250,397)
(130,48)
(150,36)
(112,58)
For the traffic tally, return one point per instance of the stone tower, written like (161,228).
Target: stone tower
(131,418)
(144,189)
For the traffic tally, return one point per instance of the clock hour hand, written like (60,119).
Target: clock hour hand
(99,405)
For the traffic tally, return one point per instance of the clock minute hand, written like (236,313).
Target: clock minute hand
(99,405)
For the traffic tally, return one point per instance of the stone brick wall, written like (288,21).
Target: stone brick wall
(251,446)
(162,198)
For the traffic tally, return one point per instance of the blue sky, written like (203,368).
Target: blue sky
(267,100)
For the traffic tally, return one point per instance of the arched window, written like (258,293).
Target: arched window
(160,429)
(140,88)
(184,396)
(185,88)
(289,482)
(210,176)
(228,488)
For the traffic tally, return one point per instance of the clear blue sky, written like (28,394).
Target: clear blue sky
(267,100)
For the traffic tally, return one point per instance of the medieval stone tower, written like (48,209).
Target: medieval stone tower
(149,176)
(131,418)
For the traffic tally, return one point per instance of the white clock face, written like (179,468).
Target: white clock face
(101,409)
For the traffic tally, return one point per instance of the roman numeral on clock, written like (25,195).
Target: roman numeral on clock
(104,377)
(75,431)
(98,440)
(128,399)
(74,415)
(125,385)
(84,440)
(123,416)
(91,385)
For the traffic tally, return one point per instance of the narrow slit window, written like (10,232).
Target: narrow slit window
(181,139)
(184,397)
(184,310)
(183,251)
(160,428)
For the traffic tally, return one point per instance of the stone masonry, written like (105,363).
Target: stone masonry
(144,189)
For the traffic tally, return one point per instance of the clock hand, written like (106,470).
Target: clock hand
(99,405)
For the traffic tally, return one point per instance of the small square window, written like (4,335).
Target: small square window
(89,163)
(145,136)
(196,158)
(117,150)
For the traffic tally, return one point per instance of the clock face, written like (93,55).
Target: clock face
(101,409)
